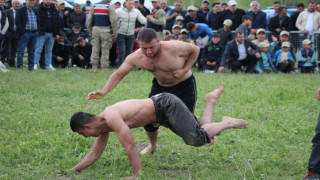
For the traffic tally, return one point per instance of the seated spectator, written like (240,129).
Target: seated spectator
(283,59)
(179,20)
(276,45)
(234,14)
(75,33)
(265,64)
(193,17)
(61,51)
(204,8)
(280,22)
(175,33)
(214,18)
(225,32)
(184,37)
(212,53)
(258,17)
(82,54)
(306,57)
(237,54)
(261,37)
(76,15)
(245,26)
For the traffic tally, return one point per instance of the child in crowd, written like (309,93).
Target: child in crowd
(184,36)
(179,20)
(245,26)
(265,64)
(225,32)
(306,57)
(283,59)
(211,54)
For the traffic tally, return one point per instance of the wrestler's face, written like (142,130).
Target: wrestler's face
(88,132)
(150,49)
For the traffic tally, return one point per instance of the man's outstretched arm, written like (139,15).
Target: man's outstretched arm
(112,82)
(94,154)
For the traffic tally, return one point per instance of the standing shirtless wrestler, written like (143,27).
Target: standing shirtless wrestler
(169,62)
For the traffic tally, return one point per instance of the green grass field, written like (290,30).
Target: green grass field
(36,139)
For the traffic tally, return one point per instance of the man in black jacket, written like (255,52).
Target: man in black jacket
(49,28)
(61,51)
(237,53)
(280,22)
(82,53)
(234,14)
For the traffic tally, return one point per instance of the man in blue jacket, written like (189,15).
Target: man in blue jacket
(27,24)
(258,17)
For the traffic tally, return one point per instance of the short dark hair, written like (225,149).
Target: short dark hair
(282,8)
(216,35)
(62,34)
(216,3)
(79,119)
(276,2)
(311,2)
(224,4)
(147,35)
(190,26)
(238,33)
(246,17)
(141,2)
(300,5)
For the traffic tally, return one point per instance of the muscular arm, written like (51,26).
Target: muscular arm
(94,154)
(114,79)
(192,53)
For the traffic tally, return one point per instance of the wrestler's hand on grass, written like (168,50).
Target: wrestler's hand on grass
(98,94)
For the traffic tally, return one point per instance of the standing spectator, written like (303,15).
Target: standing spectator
(127,18)
(212,53)
(307,57)
(258,17)
(63,13)
(214,17)
(4,23)
(49,27)
(244,28)
(225,32)
(265,64)
(82,54)
(234,14)
(261,37)
(76,15)
(157,19)
(145,12)
(193,17)
(275,7)
(276,45)
(309,21)
(171,17)
(280,22)
(163,5)
(27,24)
(204,8)
(10,41)
(61,51)
(141,5)
(294,16)
(283,59)
(237,54)
(86,8)
(224,7)
(102,21)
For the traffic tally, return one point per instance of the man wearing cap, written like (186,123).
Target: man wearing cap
(193,16)
(261,37)
(258,17)
(280,22)
(10,40)
(214,18)
(81,54)
(157,19)
(307,57)
(175,32)
(76,15)
(170,63)
(127,17)
(49,28)
(225,32)
(63,12)
(103,26)
(75,33)
(237,54)
(204,8)
(234,14)
(171,17)
(276,45)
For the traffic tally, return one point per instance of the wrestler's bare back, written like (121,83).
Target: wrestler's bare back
(135,112)
(171,57)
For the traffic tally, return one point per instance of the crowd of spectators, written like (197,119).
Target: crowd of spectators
(229,37)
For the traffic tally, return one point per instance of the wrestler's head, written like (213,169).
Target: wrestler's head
(82,123)
(148,42)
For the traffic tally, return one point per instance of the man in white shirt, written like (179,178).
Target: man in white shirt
(309,21)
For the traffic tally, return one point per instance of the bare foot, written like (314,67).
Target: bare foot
(214,95)
(234,123)
(212,141)
(149,149)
